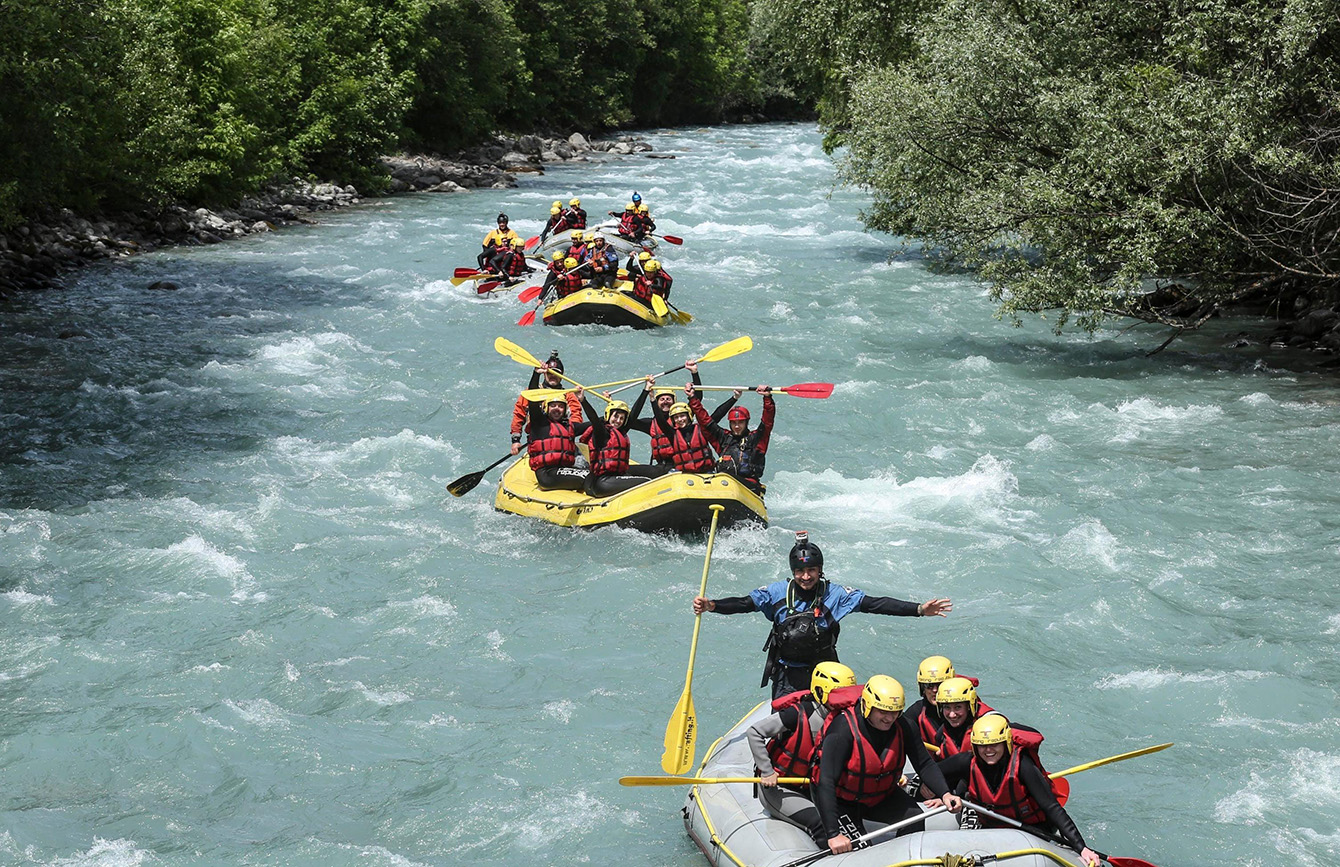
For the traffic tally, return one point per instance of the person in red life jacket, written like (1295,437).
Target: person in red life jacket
(628,221)
(658,426)
(1002,773)
(574,215)
(607,440)
(552,445)
(690,450)
(576,247)
(570,280)
(743,452)
(557,222)
(637,263)
(552,272)
(933,671)
(860,760)
(652,281)
(603,264)
(495,241)
(805,612)
(511,262)
(550,370)
(645,224)
(958,704)
(783,746)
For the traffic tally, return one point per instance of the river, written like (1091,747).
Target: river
(245,624)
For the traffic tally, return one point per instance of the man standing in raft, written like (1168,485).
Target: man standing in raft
(804,613)
(496,241)
(550,370)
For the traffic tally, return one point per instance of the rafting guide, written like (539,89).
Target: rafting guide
(805,613)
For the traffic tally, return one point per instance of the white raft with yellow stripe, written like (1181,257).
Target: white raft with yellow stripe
(731,827)
(676,502)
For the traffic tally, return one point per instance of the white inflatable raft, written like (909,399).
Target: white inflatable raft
(731,827)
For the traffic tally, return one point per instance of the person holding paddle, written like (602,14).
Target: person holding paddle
(860,760)
(499,239)
(743,452)
(550,370)
(553,445)
(805,613)
(783,745)
(654,280)
(607,438)
(658,426)
(575,216)
(603,265)
(1002,773)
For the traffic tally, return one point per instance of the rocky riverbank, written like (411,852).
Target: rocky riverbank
(36,254)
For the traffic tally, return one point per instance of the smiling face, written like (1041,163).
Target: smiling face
(552,379)
(882,719)
(808,576)
(665,401)
(990,753)
(618,417)
(955,713)
(679,420)
(739,427)
(928,691)
(556,409)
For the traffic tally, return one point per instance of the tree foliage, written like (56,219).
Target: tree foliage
(111,103)
(1114,157)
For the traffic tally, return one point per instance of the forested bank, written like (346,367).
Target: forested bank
(1163,161)
(110,104)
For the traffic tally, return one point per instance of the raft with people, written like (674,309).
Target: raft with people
(673,503)
(731,826)
(613,307)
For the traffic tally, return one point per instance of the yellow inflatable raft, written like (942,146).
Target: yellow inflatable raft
(603,307)
(675,502)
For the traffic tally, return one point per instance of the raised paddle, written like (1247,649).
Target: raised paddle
(867,838)
(1109,760)
(702,781)
(467,483)
(817,390)
(1114,860)
(503,346)
(669,239)
(681,733)
(729,349)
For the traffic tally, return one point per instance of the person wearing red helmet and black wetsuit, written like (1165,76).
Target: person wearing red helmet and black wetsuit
(743,453)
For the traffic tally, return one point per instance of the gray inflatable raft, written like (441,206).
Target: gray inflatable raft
(731,827)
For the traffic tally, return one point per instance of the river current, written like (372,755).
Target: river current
(244,623)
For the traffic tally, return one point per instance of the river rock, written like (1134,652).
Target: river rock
(530,144)
(164,286)
(1316,323)
(579,142)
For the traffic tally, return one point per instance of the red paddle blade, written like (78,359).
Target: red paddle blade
(486,288)
(529,295)
(818,390)
(1061,788)
(1116,861)
(465,272)
(672,239)
(528,319)
(532,242)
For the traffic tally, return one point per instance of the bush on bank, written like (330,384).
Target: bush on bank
(116,103)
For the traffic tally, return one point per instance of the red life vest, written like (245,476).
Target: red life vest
(868,776)
(556,449)
(660,443)
(576,251)
(576,218)
(566,284)
(950,745)
(515,265)
(612,460)
(693,455)
(629,224)
(791,753)
(642,288)
(660,284)
(927,727)
(1011,797)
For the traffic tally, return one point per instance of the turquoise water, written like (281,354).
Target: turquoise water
(245,624)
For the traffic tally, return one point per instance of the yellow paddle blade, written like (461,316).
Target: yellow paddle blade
(543,395)
(456,281)
(681,318)
(702,781)
(600,385)
(658,305)
(514,352)
(1109,760)
(726,350)
(681,733)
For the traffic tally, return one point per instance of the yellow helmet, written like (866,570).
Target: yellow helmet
(652,265)
(660,392)
(557,397)
(957,689)
(630,207)
(643,256)
(883,692)
(678,408)
(555,210)
(613,406)
(558,256)
(569,263)
(827,677)
(642,209)
(935,669)
(576,235)
(576,202)
(992,728)
(517,242)
(557,204)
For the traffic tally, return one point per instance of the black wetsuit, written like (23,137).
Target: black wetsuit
(897,805)
(955,770)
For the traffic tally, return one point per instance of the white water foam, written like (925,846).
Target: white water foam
(1154,678)
(108,853)
(196,551)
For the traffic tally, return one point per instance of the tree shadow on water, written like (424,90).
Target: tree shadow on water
(108,389)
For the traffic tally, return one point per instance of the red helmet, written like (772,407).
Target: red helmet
(738,413)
